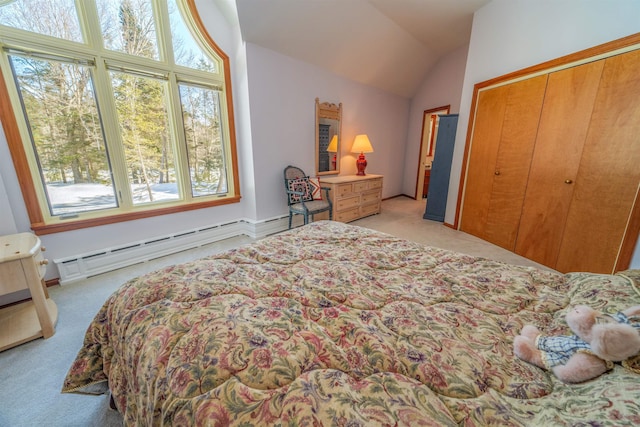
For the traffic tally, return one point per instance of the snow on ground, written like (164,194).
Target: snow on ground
(73,198)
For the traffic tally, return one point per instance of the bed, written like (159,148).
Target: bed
(334,324)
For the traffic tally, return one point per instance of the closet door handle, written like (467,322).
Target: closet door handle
(568,181)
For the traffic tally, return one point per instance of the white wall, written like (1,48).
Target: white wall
(442,86)
(239,80)
(282,97)
(509,35)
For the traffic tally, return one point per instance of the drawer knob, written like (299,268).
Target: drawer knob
(568,181)
(44,262)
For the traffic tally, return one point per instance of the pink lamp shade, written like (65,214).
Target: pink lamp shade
(361,145)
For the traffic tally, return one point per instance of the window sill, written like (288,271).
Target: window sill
(42,229)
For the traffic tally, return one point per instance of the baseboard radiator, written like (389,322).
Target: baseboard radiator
(82,266)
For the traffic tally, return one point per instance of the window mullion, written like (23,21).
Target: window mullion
(208,81)
(163,29)
(113,136)
(49,57)
(177,130)
(28,42)
(133,70)
(226,136)
(89,23)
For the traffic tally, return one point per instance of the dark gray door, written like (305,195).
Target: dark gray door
(441,168)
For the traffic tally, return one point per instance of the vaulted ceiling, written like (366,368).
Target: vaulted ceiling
(388,44)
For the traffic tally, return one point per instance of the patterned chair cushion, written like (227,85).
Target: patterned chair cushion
(299,185)
(314,186)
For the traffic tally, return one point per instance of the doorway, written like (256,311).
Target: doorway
(427,148)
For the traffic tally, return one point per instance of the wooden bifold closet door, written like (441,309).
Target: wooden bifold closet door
(553,176)
(504,136)
(609,175)
(553,170)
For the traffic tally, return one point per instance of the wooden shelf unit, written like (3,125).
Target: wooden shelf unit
(22,265)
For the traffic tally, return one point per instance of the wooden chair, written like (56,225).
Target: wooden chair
(300,199)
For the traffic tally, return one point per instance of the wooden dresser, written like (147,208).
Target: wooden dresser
(22,265)
(354,196)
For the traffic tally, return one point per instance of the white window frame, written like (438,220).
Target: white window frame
(17,132)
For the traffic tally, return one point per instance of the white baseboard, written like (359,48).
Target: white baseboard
(82,266)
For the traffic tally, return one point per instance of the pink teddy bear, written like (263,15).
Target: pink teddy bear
(599,341)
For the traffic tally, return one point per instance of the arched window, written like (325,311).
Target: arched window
(121,109)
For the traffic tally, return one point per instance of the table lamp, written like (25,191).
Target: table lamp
(361,145)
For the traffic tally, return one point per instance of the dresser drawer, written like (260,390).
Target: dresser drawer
(371,197)
(360,186)
(348,215)
(347,203)
(343,189)
(370,209)
(376,183)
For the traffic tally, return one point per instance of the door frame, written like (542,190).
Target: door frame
(426,148)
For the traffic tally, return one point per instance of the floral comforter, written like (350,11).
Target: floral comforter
(333,324)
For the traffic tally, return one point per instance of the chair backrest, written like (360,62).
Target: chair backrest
(292,172)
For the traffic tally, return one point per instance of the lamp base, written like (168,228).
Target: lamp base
(361,164)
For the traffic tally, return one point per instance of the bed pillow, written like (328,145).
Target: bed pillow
(301,185)
(314,187)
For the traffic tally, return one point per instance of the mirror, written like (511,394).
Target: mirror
(328,137)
